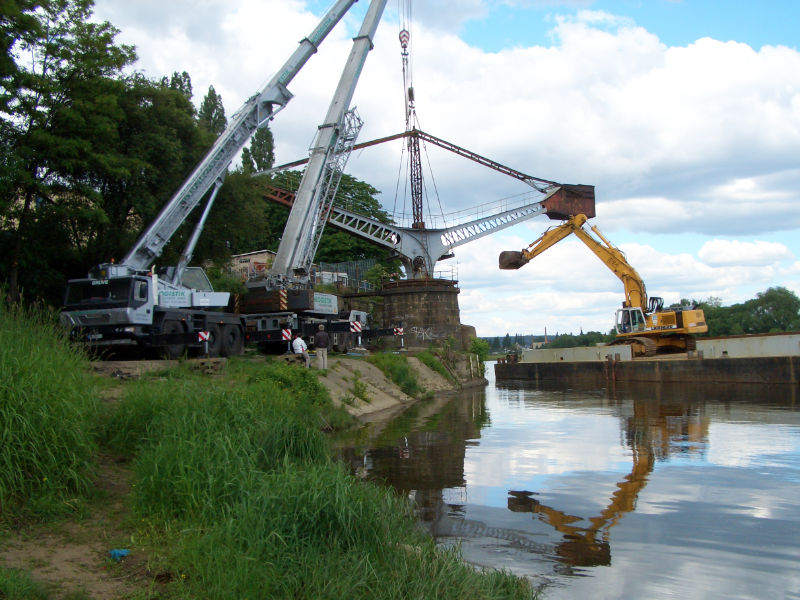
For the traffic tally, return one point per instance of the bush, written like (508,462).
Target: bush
(430,360)
(396,368)
(481,348)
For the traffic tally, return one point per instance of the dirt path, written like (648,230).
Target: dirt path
(72,557)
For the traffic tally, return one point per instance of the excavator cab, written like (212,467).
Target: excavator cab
(630,320)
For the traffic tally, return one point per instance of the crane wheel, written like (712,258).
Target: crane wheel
(173,350)
(214,339)
(232,340)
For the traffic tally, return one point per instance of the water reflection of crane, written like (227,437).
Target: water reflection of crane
(655,429)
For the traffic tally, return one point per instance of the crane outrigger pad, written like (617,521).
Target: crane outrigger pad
(512,259)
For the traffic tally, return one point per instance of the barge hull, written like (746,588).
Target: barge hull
(767,369)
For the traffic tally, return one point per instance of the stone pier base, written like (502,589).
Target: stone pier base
(427,309)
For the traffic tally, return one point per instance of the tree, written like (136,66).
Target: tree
(775,310)
(338,246)
(17,23)
(211,115)
(590,338)
(180,82)
(55,116)
(771,311)
(260,156)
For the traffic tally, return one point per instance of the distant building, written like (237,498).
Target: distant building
(251,264)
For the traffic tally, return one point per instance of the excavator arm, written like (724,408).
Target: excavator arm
(612,257)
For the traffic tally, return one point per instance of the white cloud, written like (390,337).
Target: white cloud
(701,138)
(733,252)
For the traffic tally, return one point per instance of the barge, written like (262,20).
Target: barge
(767,359)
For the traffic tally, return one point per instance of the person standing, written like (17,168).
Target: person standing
(300,347)
(321,341)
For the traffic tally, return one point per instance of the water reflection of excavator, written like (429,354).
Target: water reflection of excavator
(653,431)
(641,322)
(589,546)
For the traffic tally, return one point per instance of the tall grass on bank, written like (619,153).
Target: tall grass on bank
(317,533)
(396,368)
(47,416)
(236,484)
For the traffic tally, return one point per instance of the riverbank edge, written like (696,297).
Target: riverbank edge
(360,387)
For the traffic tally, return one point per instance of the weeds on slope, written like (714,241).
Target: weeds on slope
(396,368)
(234,488)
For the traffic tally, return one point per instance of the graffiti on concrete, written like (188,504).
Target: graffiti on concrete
(423,333)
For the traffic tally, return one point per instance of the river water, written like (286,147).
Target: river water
(642,491)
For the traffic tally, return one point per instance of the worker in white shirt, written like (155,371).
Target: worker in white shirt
(299,347)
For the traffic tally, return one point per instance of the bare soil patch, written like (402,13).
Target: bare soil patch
(73,556)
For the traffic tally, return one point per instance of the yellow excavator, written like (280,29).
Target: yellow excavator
(642,322)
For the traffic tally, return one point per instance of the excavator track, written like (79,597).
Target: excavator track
(642,346)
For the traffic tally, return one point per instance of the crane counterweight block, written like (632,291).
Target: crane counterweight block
(568,200)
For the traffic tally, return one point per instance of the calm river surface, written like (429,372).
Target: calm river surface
(646,491)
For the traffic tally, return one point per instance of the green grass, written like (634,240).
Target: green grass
(235,494)
(18,585)
(48,411)
(430,360)
(396,368)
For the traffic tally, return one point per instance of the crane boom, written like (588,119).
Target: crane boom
(296,250)
(256,112)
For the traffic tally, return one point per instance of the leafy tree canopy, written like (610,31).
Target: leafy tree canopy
(211,115)
(58,118)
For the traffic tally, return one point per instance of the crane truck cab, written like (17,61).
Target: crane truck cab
(115,308)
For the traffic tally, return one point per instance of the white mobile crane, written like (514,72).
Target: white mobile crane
(129,304)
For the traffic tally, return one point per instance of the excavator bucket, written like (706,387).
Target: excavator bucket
(512,259)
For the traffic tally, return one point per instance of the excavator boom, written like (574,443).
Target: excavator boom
(612,257)
(640,322)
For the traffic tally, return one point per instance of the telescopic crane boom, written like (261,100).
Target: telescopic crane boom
(256,112)
(642,322)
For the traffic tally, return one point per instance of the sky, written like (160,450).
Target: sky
(684,115)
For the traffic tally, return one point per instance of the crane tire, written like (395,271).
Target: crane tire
(175,350)
(232,341)
(214,339)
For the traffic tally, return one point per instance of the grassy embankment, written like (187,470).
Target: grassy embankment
(234,494)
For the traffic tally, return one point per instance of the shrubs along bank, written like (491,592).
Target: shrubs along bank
(234,491)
